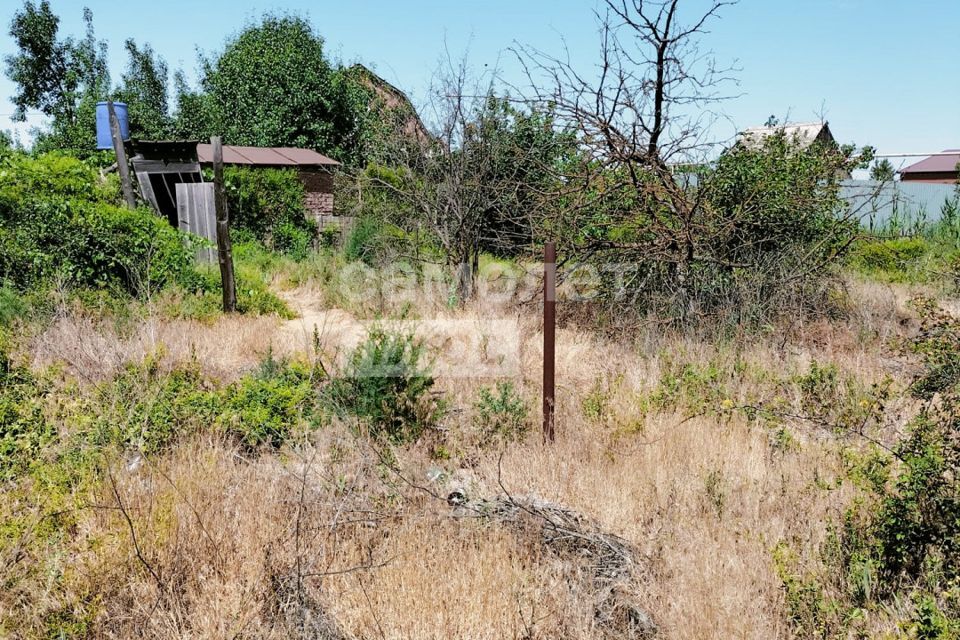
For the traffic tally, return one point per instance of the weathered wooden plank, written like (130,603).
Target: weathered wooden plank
(196,214)
(142,165)
(224,250)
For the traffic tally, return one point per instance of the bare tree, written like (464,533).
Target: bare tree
(644,115)
(475,183)
(645,111)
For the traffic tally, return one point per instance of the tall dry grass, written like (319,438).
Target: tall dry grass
(335,538)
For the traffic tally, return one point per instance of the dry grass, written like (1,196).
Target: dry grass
(326,539)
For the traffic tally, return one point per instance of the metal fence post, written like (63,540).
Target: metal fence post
(549,338)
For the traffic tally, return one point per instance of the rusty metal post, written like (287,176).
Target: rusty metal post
(549,338)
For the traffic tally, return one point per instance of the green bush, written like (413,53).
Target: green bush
(268,204)
(363,241)
(895,260)
(898,546)
(204,299)
(268,407)
(754,237)
(12,305)
(25,431)
(501,412)
(60,220)
(388,386)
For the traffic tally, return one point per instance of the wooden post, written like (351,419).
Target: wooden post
(224,249)
(122,167)
(549,338)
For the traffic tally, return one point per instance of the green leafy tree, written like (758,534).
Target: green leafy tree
(882,171)
(479,183)
(526,148)
(144,89)
(61,78)
(273,86)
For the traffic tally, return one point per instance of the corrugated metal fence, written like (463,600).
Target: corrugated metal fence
(877,204)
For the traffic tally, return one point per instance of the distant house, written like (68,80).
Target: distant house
(803,133)
(938,169)
(391,106)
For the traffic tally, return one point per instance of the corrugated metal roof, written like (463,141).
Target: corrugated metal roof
(936,164)
(266,156)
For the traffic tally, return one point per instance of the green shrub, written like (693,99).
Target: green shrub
(388,385)
(60,220)
(25,431)
(501,412)
(938,344)
(269,205)
(204,301)
(363,241)
(918,524)
(270,406)
(896,260)
(899,543)
(12,305)
(145,408)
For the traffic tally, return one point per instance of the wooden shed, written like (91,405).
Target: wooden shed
(162,165)
(314,169)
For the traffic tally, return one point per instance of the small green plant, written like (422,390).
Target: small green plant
(693,387)
(275,403)
(387,384)
(363,241)
(12,305)
(501,412)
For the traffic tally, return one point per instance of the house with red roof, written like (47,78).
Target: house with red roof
(940,168)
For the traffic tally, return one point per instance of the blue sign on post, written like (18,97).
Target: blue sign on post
(104,139)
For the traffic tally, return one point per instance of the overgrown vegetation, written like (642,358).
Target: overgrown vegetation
(60,221)
(899,544)
(388,386)
(501,412)
(788,464)
(268,204)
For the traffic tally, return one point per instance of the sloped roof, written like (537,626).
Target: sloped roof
(391,104)
(266,156)
(805,133)
(944,163)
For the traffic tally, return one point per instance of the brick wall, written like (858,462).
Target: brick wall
(318,199)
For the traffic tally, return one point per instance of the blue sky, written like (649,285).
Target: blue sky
(884,73)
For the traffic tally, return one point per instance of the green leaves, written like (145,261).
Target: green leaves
(269,204)
(274,86)
(387,385)
(58,219)
(144,90)
(62,78)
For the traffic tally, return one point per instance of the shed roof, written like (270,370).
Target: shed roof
(266,156)
(946,162)
(805,133)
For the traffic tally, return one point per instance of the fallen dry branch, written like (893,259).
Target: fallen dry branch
(602,564)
